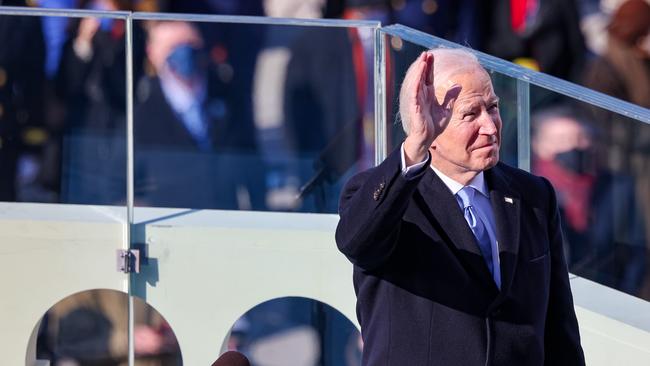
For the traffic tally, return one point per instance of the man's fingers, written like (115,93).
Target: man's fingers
(428,70)
(420,72)
(416,78)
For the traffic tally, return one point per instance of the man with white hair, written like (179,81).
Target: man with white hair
(457,257)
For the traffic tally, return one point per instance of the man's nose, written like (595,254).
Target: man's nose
(488,124)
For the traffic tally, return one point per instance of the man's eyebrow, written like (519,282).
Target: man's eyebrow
(466,106)
(494,99)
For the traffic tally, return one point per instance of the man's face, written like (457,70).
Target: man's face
(165,37)
(472,138)
(558,135)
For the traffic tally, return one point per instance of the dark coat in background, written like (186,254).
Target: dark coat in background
(171,169)
(320,95)
(553,39)
(22,78)
(323,113)
(93,140)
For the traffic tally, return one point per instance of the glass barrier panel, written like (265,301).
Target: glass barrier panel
(62,110)
(154,339)
(203,269)
(598,161)
(593,149)
(62,140)
(250,116)
(233,116)
(401,53)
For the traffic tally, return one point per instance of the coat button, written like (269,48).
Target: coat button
(377,193)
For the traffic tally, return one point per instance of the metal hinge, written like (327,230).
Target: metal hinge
(128,261)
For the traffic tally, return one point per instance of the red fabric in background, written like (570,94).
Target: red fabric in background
(522,12)
(574,191)
(518,15)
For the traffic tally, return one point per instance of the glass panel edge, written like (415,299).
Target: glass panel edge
(72,13)
(523,125)
(247,19)
(380,97)
(536,78)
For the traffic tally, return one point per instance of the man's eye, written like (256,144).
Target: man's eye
(493,107)
(468,115)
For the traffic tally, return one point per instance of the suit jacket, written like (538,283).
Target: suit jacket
(172,171)
(320,93)
(424,293)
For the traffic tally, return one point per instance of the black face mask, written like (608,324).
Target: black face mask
(577,160)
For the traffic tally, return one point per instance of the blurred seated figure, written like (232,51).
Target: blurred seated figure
(623,71)
(90,328)
(191,149)
(602,218)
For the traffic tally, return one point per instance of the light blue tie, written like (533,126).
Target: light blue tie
(195,122)
(477,225)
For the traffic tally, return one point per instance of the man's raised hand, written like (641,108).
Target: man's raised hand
(426,117)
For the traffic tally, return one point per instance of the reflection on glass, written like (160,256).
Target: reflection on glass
(90,328)
(242,116)
(62,127)
(506,89)
(22,75)
(91,86)
(598,163)
(401,54)
(296,331)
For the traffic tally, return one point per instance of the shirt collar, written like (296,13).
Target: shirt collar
(180,96)
(477,182)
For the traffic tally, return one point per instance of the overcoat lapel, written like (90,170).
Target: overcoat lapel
(506,205)
(447,213)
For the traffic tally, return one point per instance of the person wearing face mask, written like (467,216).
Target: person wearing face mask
(602,219)
(623,71)
(192,150)
(182,77)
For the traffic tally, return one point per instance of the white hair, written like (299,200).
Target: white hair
(447,62)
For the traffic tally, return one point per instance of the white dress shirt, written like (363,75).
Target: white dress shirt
(481,204)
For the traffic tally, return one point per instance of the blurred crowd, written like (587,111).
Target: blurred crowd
(270,117)
(295,106)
